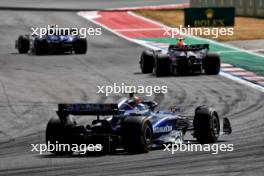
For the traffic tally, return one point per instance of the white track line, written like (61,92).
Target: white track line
(241,81)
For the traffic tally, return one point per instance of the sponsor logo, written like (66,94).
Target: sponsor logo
(164,129)
(210,17)
(209,13)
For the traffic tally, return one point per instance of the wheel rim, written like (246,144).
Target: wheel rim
(148,135)
(215,125)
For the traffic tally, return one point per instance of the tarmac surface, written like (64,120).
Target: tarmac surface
(31,86)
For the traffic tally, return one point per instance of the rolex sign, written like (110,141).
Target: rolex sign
(209,17)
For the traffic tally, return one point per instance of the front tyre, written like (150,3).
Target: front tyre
(206,125)
(137,134)
(80,45)
(41,46)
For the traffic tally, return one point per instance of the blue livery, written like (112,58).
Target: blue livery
(134,127)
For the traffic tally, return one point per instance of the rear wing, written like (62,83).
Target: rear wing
(87,109)
(195,47)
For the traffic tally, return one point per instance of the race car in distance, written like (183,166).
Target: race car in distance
(51,44)
(136,130)
(180,60)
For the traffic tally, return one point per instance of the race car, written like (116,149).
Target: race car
(51,44)
(180,60)
(125,126)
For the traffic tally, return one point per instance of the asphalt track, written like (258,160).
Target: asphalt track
(31,87)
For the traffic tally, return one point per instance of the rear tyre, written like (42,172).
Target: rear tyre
(57,133)
(80,45)
(206,125)
(182,67)
(162,65)
(147,61)
(41,46)
(23,44)
(212,64)
(137,134)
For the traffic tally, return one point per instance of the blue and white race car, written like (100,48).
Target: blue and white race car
(51,44)
(133,125)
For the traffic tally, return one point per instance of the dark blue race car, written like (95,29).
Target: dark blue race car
(135,127)
(180,60)
(51,44)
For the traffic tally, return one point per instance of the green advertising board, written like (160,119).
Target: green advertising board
(209,17)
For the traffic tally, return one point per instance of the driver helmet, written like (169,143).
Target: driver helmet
(134,101)
(180,41)
(137,100)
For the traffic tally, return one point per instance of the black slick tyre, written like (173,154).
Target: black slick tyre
(162,65)
(23,44)
(137,134)
(56,133)
(206,125)
(212,64)
(41,46)
(147,61)
(80,45)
